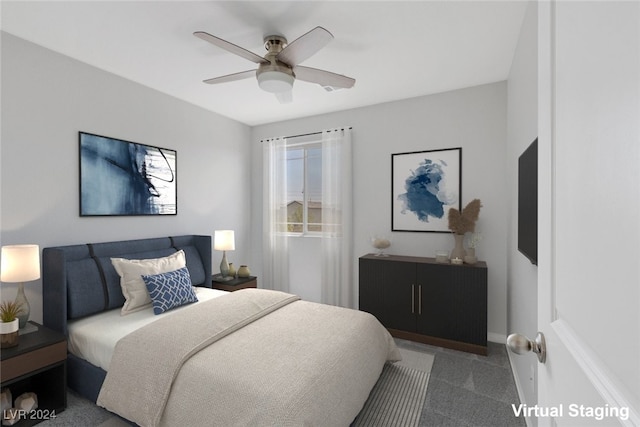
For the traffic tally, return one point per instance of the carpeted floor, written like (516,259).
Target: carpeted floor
(469,390)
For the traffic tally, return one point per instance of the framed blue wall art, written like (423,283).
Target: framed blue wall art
(126,178)
(425,184)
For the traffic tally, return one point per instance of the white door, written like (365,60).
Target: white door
(589,212)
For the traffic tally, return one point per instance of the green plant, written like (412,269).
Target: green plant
(9,311)
(461,223)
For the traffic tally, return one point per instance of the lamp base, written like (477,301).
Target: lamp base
(28,328)
(21,300)
(224,267)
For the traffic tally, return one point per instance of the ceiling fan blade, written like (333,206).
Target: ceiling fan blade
(285,97)
(328,80)
(230,47)
(305,46)
(231,77)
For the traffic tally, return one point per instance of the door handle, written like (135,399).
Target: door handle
(520,344)
(413,299)
(420,299)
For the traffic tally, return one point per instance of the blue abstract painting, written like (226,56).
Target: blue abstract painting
(126,178)
(425,185)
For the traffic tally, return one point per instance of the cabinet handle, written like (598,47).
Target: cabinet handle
(413,303)
(419,299)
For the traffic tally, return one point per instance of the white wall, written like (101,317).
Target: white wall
(473,118)
(522,129)
(47,98)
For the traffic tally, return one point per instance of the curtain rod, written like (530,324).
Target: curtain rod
(305,134)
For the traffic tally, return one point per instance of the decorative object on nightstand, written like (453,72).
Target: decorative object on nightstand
(224,240)
(232,270)
(461,223)
(19,264)
(244,271)
(9,323)
(381,243)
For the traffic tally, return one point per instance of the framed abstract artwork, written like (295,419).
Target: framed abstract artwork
(126,178)
(425,184)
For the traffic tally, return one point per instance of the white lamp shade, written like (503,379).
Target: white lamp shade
(275,81)
(19,263)
(224,240)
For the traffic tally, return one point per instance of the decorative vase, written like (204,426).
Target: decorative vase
(458,251)
(470,258)
(381,243)
(244,271)
(232,270)
(21,299)
(9,333)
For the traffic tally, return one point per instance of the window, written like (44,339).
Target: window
(304,188)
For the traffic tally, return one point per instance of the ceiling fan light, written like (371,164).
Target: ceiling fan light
(275,81)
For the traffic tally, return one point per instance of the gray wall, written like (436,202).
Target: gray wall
(473,118)
(47,98)
(522,129)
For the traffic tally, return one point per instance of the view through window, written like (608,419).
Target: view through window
(304,188)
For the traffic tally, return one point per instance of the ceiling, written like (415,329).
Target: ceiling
(394,50)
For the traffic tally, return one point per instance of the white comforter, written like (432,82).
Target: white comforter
(252,357)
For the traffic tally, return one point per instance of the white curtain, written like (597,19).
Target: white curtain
(275,245)
(337,282)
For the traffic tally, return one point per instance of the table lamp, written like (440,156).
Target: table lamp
(224,240)
(19,264)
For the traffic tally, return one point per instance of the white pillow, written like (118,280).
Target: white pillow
(131,272)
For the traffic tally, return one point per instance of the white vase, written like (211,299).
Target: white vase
(9,333)
(458,251)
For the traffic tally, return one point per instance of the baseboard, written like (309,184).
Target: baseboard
(497,338)
(518,387)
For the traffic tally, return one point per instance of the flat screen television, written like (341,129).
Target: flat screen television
(528,202)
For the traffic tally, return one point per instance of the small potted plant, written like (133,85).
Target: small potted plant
(9,324)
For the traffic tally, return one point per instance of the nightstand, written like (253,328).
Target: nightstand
(37,364)
(233,284)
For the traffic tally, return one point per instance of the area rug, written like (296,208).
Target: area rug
(398,396)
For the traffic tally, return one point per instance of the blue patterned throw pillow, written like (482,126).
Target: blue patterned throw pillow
(170,290)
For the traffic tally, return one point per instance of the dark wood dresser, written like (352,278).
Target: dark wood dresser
(421,300)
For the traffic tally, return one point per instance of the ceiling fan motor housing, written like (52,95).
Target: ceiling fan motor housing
(275,76)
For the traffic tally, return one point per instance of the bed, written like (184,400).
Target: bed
(251,357)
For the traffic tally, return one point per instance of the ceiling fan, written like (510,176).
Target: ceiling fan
(280,67)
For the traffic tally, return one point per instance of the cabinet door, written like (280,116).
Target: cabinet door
(454,303)
(399,294)
(437,309)
(370,287)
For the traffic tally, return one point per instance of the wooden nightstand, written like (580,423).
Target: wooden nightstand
(233,284)
(37,364)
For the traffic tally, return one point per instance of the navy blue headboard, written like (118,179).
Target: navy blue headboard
(79,280)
